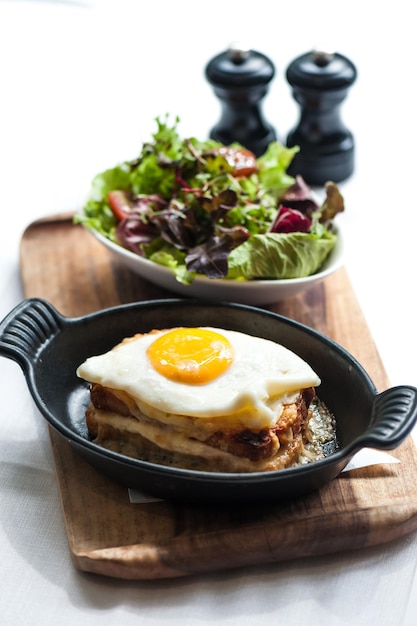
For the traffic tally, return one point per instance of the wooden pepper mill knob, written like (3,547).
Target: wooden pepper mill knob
(240,79)
(320,83)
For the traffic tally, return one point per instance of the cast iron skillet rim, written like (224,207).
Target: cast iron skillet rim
(74,438)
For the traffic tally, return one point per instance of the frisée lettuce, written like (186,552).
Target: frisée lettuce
(201,208)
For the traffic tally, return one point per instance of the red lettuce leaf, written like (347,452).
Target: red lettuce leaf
(211,257)
(290,221)
(299,196)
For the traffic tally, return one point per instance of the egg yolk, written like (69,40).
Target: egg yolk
(191,355)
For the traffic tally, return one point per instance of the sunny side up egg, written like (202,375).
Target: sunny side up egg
(204,373)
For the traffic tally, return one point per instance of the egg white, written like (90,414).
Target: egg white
(263,375)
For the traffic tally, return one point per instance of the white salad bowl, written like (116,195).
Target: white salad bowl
(252,292)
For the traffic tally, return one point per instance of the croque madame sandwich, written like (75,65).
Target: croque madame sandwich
(201,398)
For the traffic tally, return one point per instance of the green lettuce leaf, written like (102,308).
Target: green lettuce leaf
(272,168)
(280,255)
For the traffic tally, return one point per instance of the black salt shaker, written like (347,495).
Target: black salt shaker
(240,78)
(320,82)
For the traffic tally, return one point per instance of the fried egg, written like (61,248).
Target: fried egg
(204,373)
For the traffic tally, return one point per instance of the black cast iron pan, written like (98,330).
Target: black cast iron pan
(49,347)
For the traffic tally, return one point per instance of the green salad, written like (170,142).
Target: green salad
(202,208)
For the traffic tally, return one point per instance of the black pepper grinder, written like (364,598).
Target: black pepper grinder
(320,81)
(240,78)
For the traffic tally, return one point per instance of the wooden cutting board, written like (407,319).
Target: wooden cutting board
(109,535)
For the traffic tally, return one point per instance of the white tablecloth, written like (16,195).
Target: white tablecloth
(80,86)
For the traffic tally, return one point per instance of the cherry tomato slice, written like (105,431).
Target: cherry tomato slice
(242,160)
(120,204)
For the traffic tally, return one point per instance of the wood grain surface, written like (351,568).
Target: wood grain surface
(109,535)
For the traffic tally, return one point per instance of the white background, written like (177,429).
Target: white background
(80,86)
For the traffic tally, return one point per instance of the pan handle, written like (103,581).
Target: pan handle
(26,329)
(393,417)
